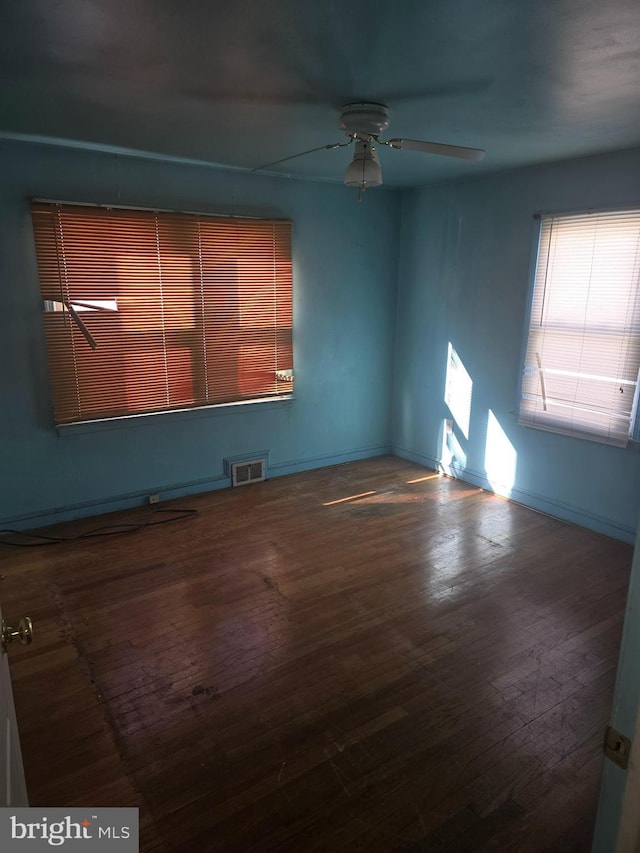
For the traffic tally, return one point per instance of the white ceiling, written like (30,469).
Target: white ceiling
(247,82)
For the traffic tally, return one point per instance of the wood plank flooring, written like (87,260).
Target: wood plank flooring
(368,657)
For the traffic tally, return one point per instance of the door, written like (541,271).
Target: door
(629,832)
(616,824)
(13,789)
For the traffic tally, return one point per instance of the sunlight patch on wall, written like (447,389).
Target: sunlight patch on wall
(458,390)
(453,459)
(500,458)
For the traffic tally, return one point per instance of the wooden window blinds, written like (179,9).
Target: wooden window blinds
(583,351)
(148,311)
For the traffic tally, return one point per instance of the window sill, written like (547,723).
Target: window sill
(173,416)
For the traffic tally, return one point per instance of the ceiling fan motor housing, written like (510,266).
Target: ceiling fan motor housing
(364,120)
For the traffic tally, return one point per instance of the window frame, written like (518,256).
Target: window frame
(565,426)
(249,262)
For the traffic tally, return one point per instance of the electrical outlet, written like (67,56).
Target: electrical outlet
(154,499)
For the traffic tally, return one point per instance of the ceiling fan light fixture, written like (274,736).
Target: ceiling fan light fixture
(363,123)
(364,170)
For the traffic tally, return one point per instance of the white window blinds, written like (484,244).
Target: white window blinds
(583,351)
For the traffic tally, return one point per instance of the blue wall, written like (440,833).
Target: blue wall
(345,276)
(466,251)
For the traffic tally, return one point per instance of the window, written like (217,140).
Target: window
(583,352)
(146,311)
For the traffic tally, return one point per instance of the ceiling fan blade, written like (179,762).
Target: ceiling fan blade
(438,148)
(302,154)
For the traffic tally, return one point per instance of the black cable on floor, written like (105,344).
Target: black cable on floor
(38,540)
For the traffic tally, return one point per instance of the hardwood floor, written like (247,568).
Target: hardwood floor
(365,657)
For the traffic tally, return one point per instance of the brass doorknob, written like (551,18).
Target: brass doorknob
(23,633)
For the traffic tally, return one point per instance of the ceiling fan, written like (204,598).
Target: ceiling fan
(363,123)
